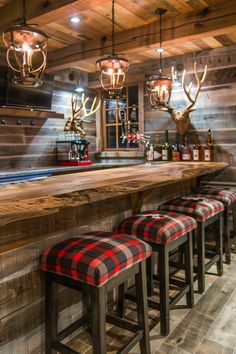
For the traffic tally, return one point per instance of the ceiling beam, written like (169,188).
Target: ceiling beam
(217,20)
(42,12)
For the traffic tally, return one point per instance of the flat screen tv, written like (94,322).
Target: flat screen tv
(38,98)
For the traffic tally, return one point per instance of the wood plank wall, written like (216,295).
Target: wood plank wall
(215,108)
(32,144)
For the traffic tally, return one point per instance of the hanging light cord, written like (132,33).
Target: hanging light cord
(24,12)
(160,53)
(113,27)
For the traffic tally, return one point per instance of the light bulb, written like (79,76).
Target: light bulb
(75,19)
(110,71)
(26,48)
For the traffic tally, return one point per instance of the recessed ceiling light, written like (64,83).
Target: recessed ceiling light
(159,50)
(75,19)
(79,89)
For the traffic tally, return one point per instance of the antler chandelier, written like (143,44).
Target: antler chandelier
(26,52)
(159,86)
(112,68)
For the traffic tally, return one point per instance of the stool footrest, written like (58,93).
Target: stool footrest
(122,323)
(211,262)
(72,327)
(132,342)
(64,349)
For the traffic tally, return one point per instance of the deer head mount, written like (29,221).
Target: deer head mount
(80,114)
(181,117)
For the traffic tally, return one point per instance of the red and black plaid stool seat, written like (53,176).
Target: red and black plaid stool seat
(95,264)
(164,231)
(205,211)
(228,198)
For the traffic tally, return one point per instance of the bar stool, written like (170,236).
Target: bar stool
(206,212)
(228,198)
(95,264)
(165,231)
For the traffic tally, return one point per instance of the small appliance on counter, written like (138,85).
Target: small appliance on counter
(73,152)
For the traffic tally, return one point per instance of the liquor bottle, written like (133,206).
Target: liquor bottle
(166,148)
(186,152)
(176,150)
(157,151)
(196,150)
(209,148)
(150,154)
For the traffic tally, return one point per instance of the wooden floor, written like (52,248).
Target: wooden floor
(209,328)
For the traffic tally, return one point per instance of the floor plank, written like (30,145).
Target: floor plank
(209,346)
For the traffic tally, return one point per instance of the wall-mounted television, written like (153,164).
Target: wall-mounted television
(38,98)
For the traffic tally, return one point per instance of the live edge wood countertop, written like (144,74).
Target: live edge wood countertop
(35,199)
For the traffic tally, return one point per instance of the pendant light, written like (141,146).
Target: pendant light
(159,86)
(26,52)
(112,68)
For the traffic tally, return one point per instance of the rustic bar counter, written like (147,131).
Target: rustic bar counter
(34,215)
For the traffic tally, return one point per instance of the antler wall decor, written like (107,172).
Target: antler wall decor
(80,113)
(181,117)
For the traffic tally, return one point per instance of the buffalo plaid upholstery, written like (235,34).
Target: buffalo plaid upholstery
(157,226)
(200,208)
(225,196)
(94,258)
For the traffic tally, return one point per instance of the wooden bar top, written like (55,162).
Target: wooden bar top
(143,174)
(41,197)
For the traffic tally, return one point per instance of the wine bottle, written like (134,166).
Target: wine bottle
(157,151)
(209,148)
(196,150)
(186,152)
(166,148)
(176,150)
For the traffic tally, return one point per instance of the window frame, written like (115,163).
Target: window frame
(117,124)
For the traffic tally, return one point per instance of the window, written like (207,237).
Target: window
(117,115)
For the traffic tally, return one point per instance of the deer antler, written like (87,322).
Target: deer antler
(199,85)
(95,106)
(79,115)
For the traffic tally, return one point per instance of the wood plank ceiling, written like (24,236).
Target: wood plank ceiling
(79,45)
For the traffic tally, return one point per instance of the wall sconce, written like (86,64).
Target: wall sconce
(26,52)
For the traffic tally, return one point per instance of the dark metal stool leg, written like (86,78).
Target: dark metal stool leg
(142,307)
(99,320)
(201,257)
(150,272)
(234,227)
(163,269)
(51,314)
(226,237)
(219,245)
(188,254)
(121,305)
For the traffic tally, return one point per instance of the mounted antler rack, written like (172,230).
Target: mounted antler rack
(80,113)
(182,118)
